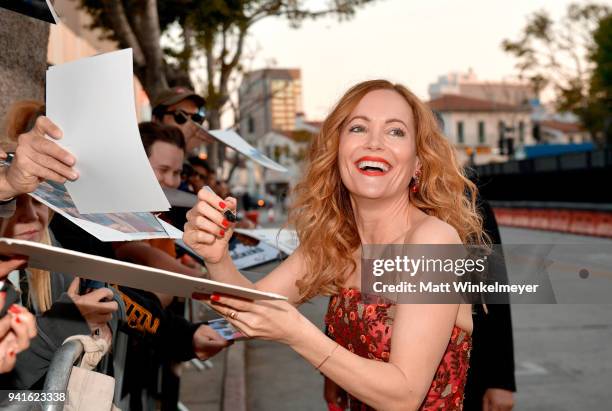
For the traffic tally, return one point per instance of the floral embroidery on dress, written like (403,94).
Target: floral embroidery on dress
(363,325)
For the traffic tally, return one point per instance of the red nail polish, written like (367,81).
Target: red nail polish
(18,320)
(222,233)
(15,309)
(11,353)
(225,223)
(215,297)
(222,204)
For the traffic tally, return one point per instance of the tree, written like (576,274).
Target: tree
(601,82)
(556,54)
(209,32)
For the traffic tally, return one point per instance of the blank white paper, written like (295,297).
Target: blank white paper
(92,101)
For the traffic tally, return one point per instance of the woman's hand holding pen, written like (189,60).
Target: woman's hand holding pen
(208,227)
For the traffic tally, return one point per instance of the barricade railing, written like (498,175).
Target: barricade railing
(60,368)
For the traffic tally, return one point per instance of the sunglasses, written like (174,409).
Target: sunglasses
(180,117)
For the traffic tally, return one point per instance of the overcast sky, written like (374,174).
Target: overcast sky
(408,41)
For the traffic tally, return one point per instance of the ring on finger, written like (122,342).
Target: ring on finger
(233,315)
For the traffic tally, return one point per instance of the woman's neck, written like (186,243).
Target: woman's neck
(381,221)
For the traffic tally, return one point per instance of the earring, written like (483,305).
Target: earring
(415,182)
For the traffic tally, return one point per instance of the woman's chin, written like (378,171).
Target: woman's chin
(370,193)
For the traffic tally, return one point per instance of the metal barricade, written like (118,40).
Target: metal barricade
(60,368)
(59,371)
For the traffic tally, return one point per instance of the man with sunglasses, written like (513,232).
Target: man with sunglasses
(181,107)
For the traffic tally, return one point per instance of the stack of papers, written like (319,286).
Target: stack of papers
(105,227)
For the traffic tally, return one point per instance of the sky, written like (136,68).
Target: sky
(406,41)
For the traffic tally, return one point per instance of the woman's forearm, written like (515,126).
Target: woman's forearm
(381,385)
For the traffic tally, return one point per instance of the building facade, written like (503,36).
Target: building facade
(485,130)
(468,84)
(269,99)
(73,39)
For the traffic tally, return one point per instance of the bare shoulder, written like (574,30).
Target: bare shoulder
(432,230)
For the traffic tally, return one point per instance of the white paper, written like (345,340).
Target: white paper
(179,198)
(105,227)
(232,139)
(92,101)
(247,256)
(285,240)
(103,269)
(243,256)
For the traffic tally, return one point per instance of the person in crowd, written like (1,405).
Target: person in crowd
(175,339)
(60,311)
(54,297)
(186,176)
(491,382)
(379,172)
(181,107)
(17,326)
(36,158)
(165,149)
(203,174)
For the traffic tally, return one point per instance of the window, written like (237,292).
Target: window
(481,132)
(521,131)
(460,137)
(251,124)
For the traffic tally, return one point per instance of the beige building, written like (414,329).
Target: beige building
(270,99)
(468,84)
(477,126)
(561,132)
(72,39)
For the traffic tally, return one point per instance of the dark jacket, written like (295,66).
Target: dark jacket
(492,357)
(61,321)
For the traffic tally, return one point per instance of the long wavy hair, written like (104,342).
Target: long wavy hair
(322,213)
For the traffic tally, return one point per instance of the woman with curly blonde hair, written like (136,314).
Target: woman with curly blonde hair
(379,172)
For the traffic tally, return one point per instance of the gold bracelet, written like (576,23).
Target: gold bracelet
(328,355)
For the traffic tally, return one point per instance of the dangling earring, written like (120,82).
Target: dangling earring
(415,182)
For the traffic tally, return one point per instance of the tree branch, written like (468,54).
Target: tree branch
(122,29)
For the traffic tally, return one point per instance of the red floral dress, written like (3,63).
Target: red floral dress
(364,326)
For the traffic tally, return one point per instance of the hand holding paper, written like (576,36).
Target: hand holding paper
(92,100)
(38,158)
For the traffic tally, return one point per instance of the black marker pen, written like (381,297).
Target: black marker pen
(231,217)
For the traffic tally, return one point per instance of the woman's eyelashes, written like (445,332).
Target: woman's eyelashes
(394,132)
(357,129)
(397,132)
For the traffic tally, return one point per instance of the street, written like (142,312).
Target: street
(562,353)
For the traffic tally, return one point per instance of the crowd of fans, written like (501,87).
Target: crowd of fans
(42,309)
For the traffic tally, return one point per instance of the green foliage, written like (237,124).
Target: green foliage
(211,29)
(559,54)
(602,57)
(601,82)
